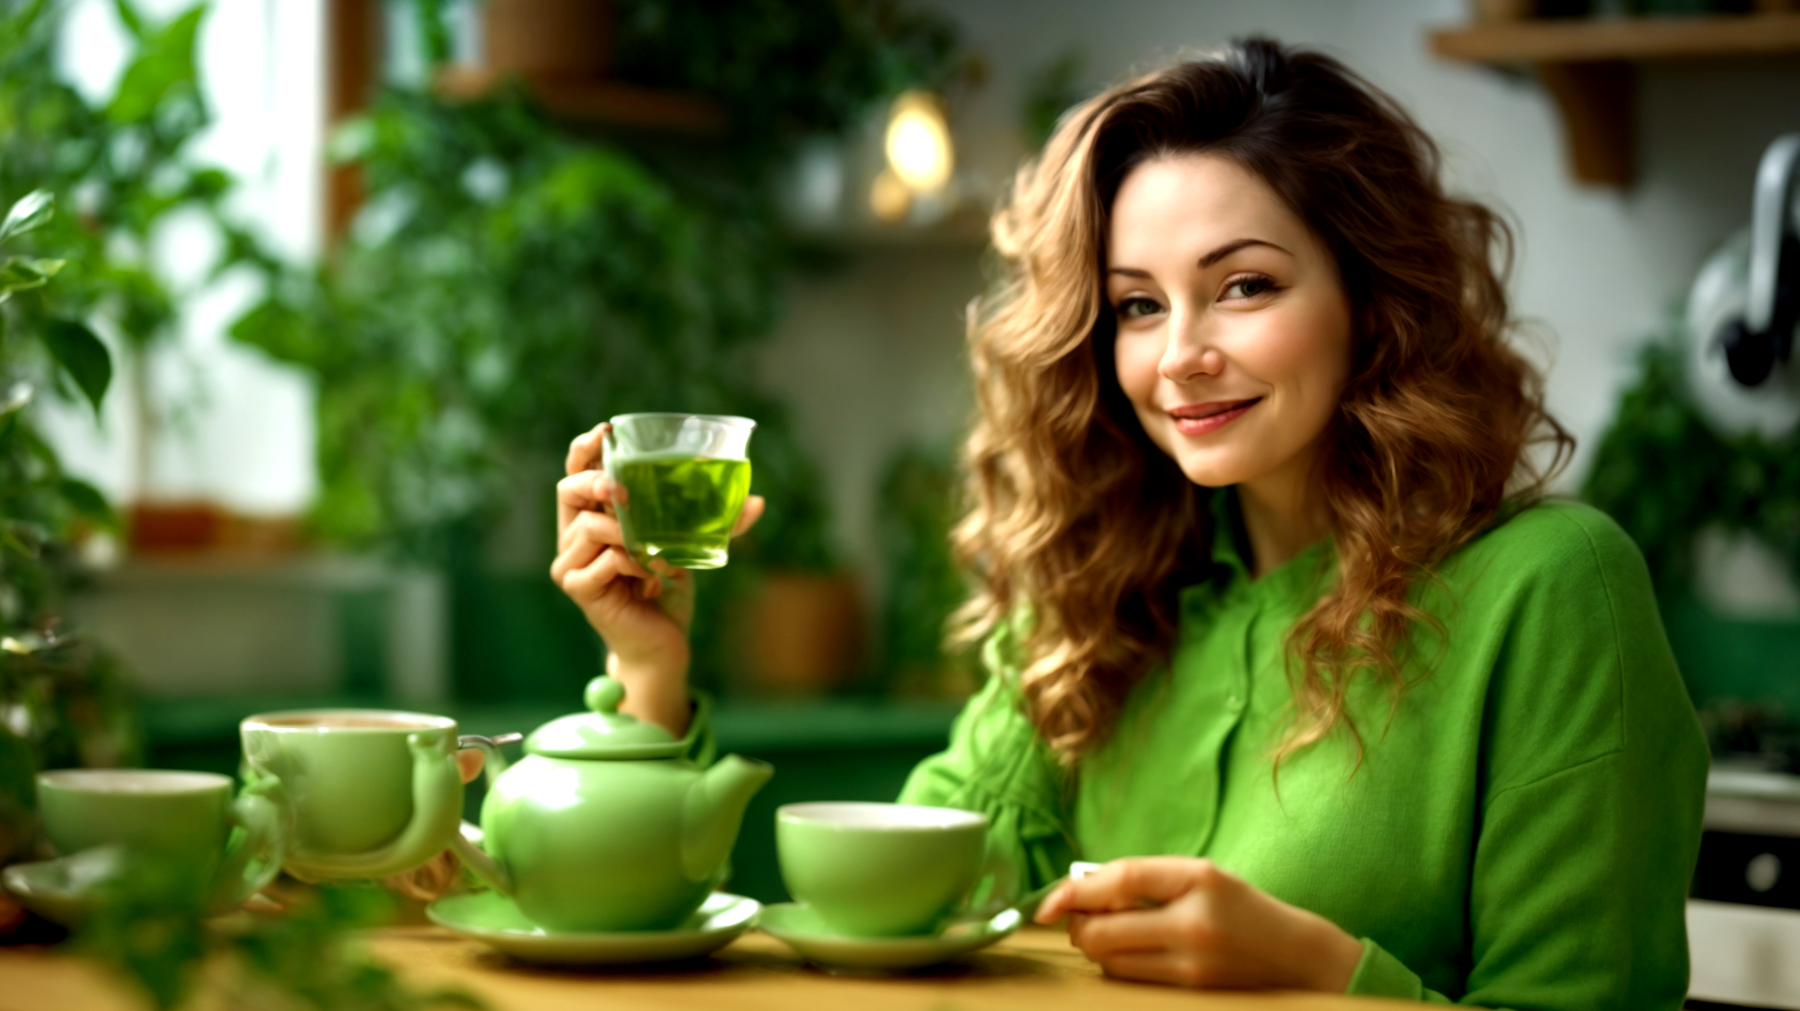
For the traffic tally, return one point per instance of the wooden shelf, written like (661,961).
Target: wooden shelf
(1590,69)
(1564,41)
(607,102)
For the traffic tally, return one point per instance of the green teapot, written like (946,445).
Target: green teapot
(606,825)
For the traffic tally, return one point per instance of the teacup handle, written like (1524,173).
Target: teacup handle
(256,860)
(1003,894)
(437,808)
(466,844)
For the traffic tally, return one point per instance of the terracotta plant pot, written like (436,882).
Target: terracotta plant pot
(568,40)
(800,634)
(196,527)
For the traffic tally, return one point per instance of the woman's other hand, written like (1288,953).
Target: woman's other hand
(642,615)
(1182,920)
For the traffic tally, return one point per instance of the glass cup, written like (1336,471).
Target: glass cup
(680,481)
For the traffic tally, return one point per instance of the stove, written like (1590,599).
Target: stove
(1744,908)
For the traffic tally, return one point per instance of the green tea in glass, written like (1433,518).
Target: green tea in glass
(683,481)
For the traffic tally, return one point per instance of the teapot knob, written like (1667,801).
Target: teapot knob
(604,694)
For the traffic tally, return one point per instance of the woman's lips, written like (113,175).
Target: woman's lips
(1199,419)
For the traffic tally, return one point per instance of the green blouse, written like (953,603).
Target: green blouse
(1520,832)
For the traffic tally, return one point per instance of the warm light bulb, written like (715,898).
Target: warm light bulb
(918,143)
(889,199)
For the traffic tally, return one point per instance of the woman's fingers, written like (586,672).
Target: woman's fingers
(594,580)
(753,510)
(588,489)
(585,449)
(1055,905)
(1169,967)
(577,491)
(469,762)
(600,532)
(1100,935)
(1131,884)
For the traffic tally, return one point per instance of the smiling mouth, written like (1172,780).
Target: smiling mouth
(1199,419)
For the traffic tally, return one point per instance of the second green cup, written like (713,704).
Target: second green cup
(181,819)
(886,870)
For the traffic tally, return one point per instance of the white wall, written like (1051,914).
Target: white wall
(1597,270)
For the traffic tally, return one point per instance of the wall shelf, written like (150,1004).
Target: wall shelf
(1590,69)
(611,103)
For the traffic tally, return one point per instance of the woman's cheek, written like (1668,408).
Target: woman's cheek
(1135,359)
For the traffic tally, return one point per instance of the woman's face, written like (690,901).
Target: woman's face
(1233,327)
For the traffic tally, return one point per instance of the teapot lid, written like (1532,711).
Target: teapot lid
(604,732)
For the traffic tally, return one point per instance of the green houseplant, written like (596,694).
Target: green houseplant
(1667,476)
(514,279)
(120,170)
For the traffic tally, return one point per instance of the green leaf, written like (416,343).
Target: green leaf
(17,399)
(17,27)
(22,273)
(130,18)
(28,212)
(86,499)
(277,330)
(77,350)
(164,65)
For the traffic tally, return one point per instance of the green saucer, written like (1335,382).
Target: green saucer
(802,930)
(495,920)
(62,890)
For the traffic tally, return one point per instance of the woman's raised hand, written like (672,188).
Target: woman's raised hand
(1184,921)
(642,615)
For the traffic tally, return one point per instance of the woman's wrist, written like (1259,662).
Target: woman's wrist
(655,690)
(1333,958)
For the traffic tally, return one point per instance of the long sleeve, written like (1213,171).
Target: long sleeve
(1589,821)
(996,765)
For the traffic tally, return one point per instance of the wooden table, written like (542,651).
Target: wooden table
(1034,970)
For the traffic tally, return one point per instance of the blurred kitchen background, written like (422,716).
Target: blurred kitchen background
(345,276)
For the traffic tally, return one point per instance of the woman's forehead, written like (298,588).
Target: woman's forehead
(1178,208)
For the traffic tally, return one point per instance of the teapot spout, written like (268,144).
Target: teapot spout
(714,810)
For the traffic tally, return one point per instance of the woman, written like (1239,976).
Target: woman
(1278,624)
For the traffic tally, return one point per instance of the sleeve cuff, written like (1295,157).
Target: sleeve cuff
(1379,974)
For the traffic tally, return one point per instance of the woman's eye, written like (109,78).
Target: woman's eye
(1137,308)
(1249,287)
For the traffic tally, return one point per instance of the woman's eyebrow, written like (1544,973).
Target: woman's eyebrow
(1209,259)
(1233,246)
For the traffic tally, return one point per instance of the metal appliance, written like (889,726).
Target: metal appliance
(1743,314)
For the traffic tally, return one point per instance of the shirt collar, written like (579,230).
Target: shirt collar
(1303,574)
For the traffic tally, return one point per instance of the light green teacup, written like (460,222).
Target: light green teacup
(367,793)
(887,870)
(182,819)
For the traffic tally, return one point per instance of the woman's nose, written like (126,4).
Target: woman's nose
(1189,353)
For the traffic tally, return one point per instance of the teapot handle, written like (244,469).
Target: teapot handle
(466,844)
(493,763)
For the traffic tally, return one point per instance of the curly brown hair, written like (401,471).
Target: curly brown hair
(1083,526)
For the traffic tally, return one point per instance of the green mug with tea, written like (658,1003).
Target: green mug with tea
(890,870)
(188,822)
(680,481)
(365,793)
